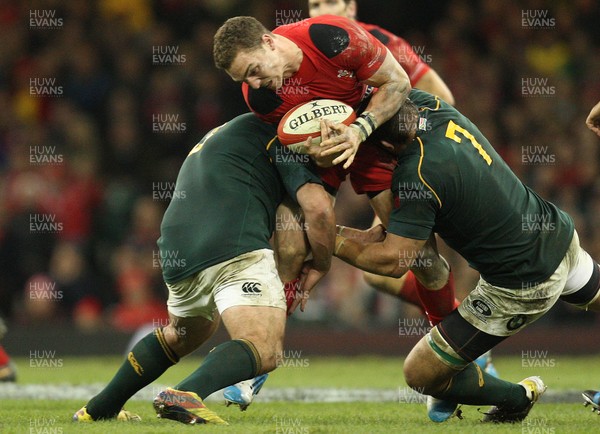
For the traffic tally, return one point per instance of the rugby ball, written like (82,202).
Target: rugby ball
(304,121)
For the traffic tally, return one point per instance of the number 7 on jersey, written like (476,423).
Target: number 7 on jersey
(451,134)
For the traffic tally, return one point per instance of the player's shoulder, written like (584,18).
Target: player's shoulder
(329,34)
(382,35)
(299,28)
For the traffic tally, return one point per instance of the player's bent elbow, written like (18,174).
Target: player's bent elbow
(382,271)
(397,272)
(393,267)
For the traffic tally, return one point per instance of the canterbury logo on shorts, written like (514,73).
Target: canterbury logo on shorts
(251,288)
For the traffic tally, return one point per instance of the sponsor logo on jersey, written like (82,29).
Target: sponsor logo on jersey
(345,73)
(251,288)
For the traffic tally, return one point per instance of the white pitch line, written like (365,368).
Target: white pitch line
(314,394)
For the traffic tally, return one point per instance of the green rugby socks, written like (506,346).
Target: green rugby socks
(226,364)
(147,361)
(472,386)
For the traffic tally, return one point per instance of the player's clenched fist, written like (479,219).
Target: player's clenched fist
(593,119)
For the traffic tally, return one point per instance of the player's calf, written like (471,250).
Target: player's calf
(262,326)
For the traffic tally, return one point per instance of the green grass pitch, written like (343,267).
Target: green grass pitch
(560,373)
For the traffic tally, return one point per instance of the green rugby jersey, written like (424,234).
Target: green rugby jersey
(450,180)
(226,195)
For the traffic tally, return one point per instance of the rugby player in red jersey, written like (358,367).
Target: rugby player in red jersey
(323,57)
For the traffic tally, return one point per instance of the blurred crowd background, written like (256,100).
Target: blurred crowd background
(100,101)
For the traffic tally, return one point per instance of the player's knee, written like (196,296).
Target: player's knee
(176,339)
(183,339)
(418,379)
(268,350)
(272,358)
(420,375)
(413,373)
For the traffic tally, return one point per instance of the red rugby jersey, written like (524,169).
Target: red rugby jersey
(338,55)
(401,50)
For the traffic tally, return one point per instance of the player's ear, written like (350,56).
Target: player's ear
(351,9)
(268,41)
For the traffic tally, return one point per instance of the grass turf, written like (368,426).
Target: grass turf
(298,418)
(559,372)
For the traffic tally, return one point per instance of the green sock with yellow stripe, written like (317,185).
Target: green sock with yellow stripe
(472,386)
(147,361)
(226,364)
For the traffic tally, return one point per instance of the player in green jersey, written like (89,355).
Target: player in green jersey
(592,397)
(217,262)
(451,181)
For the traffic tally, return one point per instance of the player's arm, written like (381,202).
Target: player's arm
(305,187)
(393,89)
(593,119)
(374,234)
(431,82)
(371,63)
(410,225)
(319,221)
(384,258)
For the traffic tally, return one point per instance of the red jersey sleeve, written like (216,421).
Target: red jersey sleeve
(347,45)
(402,52)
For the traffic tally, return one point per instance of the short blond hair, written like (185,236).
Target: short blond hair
(235,35)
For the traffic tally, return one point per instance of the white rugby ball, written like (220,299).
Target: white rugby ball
(303,121)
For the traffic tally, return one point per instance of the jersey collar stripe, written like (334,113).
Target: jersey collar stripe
(271,142)
(421,176)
